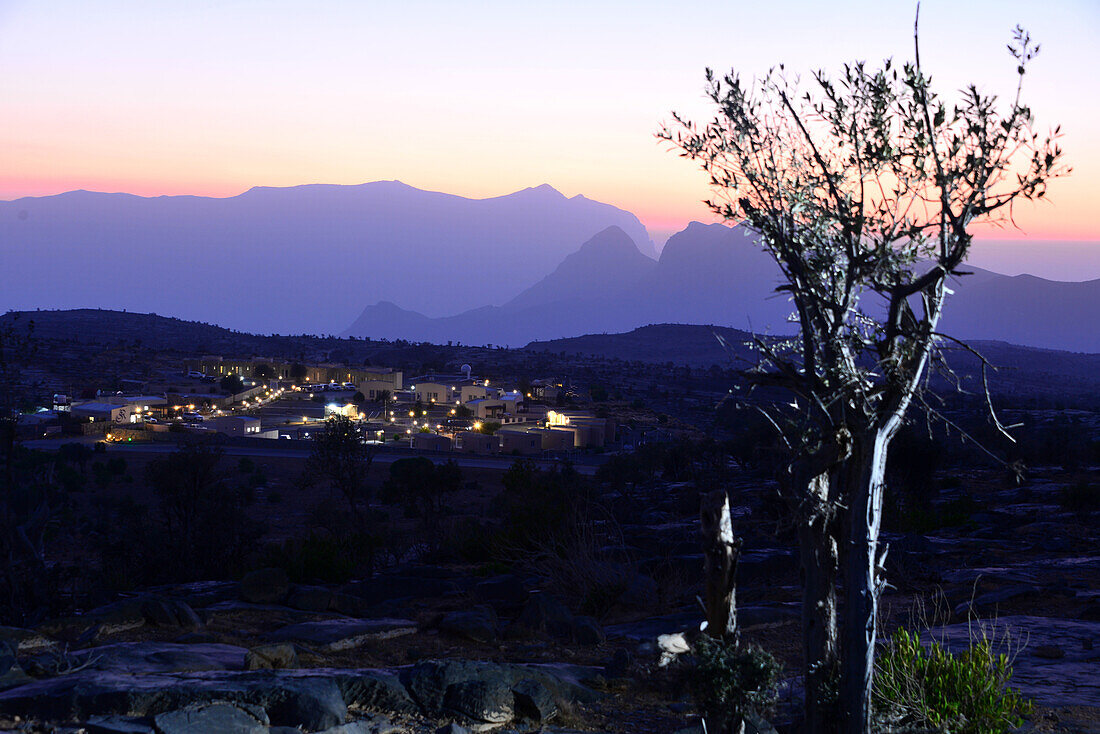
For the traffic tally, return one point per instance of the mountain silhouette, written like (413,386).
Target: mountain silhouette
(294,259)
(718,275)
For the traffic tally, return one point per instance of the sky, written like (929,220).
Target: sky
(480,98)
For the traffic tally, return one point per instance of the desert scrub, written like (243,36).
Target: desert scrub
(929,686)
(729,680)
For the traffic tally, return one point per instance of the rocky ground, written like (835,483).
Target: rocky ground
(422,647)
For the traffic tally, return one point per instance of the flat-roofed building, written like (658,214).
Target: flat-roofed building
(472,442)
(476,391)
(101,412)
(235,425)
(431,392)
(587,429)
(486,407)
(431,442)
(514,440)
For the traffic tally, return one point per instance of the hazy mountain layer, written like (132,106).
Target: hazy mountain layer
(290,260)
(714,274)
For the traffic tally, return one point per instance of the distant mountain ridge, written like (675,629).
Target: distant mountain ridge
(716,274)
(295,259)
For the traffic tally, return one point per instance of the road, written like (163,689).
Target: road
(281,450)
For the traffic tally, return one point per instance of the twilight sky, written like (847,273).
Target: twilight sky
(478,98)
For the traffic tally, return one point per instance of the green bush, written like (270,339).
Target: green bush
(731,680)
(964,693)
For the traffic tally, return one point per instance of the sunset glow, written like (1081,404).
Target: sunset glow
(213,98)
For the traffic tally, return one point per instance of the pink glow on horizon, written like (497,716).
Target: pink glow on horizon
(212,98)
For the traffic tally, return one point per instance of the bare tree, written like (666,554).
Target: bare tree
(863,188)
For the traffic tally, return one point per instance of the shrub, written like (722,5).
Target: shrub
(333,559)
(964,693)
(730,680)
(246,465)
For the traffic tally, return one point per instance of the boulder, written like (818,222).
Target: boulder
(546,614)
(312,702)
(452,728)
(533,701)
(11,674)
(483,701)
(477,623)
(270,657)
(373,724)
(587,631)
(216,717)
(118,725)
(265,586)
(428,682)
(344,634)
(310,598)
(25,640)
(138,658)
(373,690)
(505,592)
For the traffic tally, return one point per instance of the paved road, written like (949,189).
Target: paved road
(280,450)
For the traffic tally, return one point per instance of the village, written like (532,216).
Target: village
(272,399)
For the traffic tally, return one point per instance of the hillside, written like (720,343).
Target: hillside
(1019,371)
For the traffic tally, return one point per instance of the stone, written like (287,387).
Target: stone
(757,615)
(502,592)
(269,657)
(137,658)
(374,690)
(118,725)
(265,586)
(344,634)
(428,681)
(620,663)
(477,623)
(546,614)
(533,701)
(393,586)
(216,717)
(452,728)
(487,701)
(11,673)
(310,702)
(991,600)
(70,629)
(373,724)
(309,598)
(24,640)
(1048,652)
(587,631)
(755,724)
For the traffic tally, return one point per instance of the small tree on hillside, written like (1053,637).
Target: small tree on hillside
(298,372)
(342,459)
(864,190)
(264,372)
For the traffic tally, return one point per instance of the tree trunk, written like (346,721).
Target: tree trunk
(820,566)
(721,551)
(864,578)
